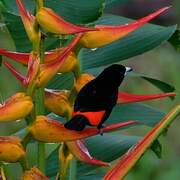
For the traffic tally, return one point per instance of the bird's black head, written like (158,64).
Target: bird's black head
(113,75)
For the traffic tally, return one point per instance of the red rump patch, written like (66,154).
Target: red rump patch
(94,118)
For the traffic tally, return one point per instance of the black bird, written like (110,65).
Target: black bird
(97,98)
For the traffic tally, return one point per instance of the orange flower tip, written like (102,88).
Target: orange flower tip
(82,81)
(34,174)
(53,23)
(7,144)
(16,107)
(108,34)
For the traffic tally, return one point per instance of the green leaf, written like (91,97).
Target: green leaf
(61,81)
(163,86)
(144,39)
(146,115)
(75,11)
(53,164)
(18,34)
(160,84)
(112,3)
(175,40)
(10,6)
(156,147)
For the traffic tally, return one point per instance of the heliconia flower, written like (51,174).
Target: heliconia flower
(57,102)
(28,21)
(80,151)
(48,130)
(53,23)
(23,58)
(82,80)
(11,149)
(124,97)
(129,159)
(49,69)
(34,174)
(16,107)
(106,34)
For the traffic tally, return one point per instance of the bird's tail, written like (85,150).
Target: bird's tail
(77,123)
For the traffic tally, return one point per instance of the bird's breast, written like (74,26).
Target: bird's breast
(94,118)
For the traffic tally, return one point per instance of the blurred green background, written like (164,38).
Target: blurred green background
(162,63)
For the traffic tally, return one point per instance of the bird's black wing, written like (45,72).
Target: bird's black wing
(93,97)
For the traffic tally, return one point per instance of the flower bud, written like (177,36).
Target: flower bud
(53,23)
(34,174)
(11,149)
(57,102)
(16,107)
(83,80)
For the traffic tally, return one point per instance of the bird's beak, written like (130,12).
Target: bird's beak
(128,69)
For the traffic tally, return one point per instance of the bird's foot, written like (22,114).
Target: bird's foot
(101,130)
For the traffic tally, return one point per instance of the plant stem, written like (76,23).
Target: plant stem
(40,93)
(24,163)
(41,156)
(26,139)
(73,169)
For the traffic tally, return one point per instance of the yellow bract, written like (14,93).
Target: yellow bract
(34,174)
(57,102)
(11,149)
(83,80)
(16,107)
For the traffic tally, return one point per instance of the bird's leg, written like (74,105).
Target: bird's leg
(101,129)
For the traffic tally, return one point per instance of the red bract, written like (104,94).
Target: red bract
(80,151)
(24,57)
(124,97)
